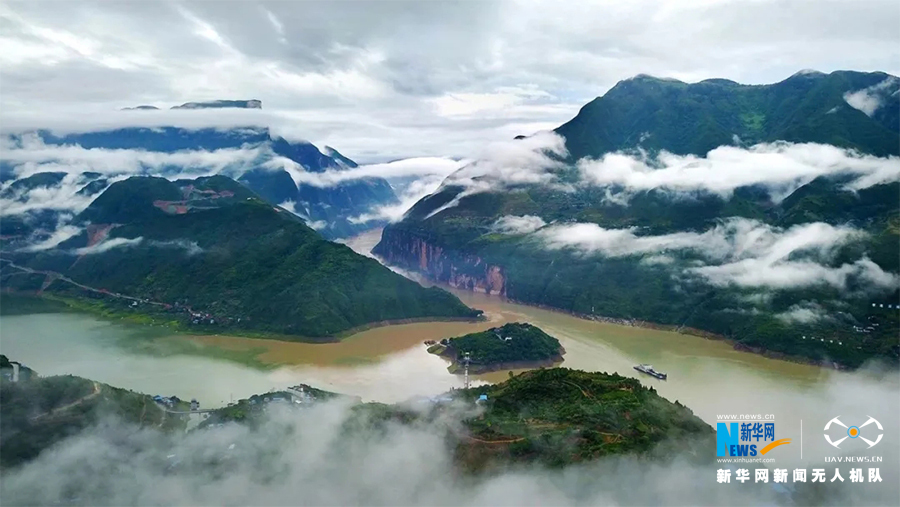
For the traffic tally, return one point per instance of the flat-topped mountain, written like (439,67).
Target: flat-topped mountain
(218,104)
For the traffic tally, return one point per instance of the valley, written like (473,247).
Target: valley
(623,253)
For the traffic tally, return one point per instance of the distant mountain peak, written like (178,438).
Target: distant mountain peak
(220,104)
(140,108)
(337,156)
(808,73)
(694,118)
(648,77)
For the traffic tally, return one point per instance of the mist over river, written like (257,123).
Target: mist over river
(390,364)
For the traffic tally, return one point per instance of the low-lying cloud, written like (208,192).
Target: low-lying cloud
(780,167)
(781,273)
(527,161)
(63,196)
(30,155)
(869,100)
(410,194)
(318,456)
(62,233)
(511,224)
(807,312)
(738,251)
(109,244)
(189,247)
(405,168)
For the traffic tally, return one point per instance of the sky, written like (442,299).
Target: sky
(386,80)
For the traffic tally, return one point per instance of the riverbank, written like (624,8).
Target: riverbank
(20,303)
(689,331)
(481,369)
(512,346)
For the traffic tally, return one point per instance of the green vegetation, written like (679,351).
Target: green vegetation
(228,264)
(40,411)
(553,416)
(27,304)
(509,346)
(632,289)
(252,411)
(669,115)
(661,114)
(559,416)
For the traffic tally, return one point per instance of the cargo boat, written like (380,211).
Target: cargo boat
(648,369)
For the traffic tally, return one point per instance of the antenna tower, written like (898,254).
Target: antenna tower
(466,363)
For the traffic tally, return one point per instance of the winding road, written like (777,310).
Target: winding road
(67,406)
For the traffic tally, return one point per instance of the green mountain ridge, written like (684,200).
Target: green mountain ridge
(552,416)
(460,245)
(665,114)
(510,346)
(209,253)
(555,417)
(39,412)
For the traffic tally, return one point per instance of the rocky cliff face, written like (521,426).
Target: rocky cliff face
(407,250)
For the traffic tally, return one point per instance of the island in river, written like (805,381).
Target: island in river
(508,347)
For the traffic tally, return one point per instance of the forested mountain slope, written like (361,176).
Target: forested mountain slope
(766,214)
(210,253)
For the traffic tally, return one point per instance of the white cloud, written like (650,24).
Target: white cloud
(417,166)
(327,454)
(108,245)
(32,155)
(785,274)
(61,234)
(190,247)
(304,214)
(511,224)
(502,165)
(807,312)
(593,239)
(780,167)
(468,104)
(277,25)
(408,195)
(739,252)
(381,80)
(63,196)
(869,100)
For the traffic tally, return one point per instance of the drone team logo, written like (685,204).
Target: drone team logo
(853,432)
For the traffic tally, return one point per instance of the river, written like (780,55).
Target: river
(391,364)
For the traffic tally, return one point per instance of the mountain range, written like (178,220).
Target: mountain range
(763,214)
(290,173)
(767,214)
(209,253)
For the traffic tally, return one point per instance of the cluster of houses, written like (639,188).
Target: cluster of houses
(171,401)
(293,396)
(815,338)
(166,401)
(889,306)
(866,329)
(201,317)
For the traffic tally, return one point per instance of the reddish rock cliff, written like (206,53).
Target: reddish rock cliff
(406,250)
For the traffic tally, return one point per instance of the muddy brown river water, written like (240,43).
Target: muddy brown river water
(391,364)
